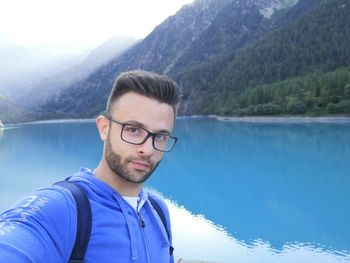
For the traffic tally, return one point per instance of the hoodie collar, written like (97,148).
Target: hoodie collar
(103,189)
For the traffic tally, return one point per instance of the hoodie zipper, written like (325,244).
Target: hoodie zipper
(142,223)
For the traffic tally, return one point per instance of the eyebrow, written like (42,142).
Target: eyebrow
(141,125)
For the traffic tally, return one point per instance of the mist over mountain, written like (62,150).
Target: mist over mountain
(22,67)
(239,57)
(29,76)
(49,87)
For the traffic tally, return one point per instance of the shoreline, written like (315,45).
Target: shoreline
(286,119)
(261,119)
(8,125)
(273,119)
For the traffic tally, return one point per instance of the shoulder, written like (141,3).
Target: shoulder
(47,209)
(161,203)
(45,217)
(50,200)
(156,197)
(161,208)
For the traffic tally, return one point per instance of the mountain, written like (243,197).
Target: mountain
(315,42)
(238,24)
(311,36)
(9,112)
(239,57)
(109,49)
(165,50)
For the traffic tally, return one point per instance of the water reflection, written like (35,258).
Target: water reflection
(275,182)
(197,238)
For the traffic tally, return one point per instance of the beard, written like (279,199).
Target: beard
(119,165)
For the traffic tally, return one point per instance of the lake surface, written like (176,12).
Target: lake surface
(237,191)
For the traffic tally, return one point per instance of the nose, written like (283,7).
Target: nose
(146,148)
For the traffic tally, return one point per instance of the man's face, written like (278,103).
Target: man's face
(135,163)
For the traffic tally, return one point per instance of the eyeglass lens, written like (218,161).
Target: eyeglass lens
(136,135)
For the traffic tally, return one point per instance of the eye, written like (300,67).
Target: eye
(161,137)
(132,130)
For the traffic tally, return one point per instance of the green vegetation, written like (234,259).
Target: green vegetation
(313,94)
(300,68)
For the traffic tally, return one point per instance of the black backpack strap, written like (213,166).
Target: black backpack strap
(160,212)
(84,219)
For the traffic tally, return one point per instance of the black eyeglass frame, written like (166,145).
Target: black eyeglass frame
(149,134)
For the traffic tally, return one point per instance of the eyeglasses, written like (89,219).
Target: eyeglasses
(134,134)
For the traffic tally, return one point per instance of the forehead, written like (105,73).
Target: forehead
(153,114)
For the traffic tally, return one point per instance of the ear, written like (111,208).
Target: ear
(102,126)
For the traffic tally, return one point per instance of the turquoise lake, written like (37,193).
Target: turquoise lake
(237,191)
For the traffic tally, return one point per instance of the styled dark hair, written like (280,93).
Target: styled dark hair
(148,84)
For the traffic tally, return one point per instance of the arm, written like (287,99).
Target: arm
(39,228)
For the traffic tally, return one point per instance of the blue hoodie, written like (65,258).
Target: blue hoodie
(42,227)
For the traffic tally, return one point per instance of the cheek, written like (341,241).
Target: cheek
(113,135)
(158,157)
(120,147)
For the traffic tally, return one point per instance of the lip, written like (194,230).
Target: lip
(138,165)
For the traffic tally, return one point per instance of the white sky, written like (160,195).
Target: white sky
(82,23)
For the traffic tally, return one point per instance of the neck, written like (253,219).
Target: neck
(123,187)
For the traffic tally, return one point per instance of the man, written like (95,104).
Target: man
(136,131)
